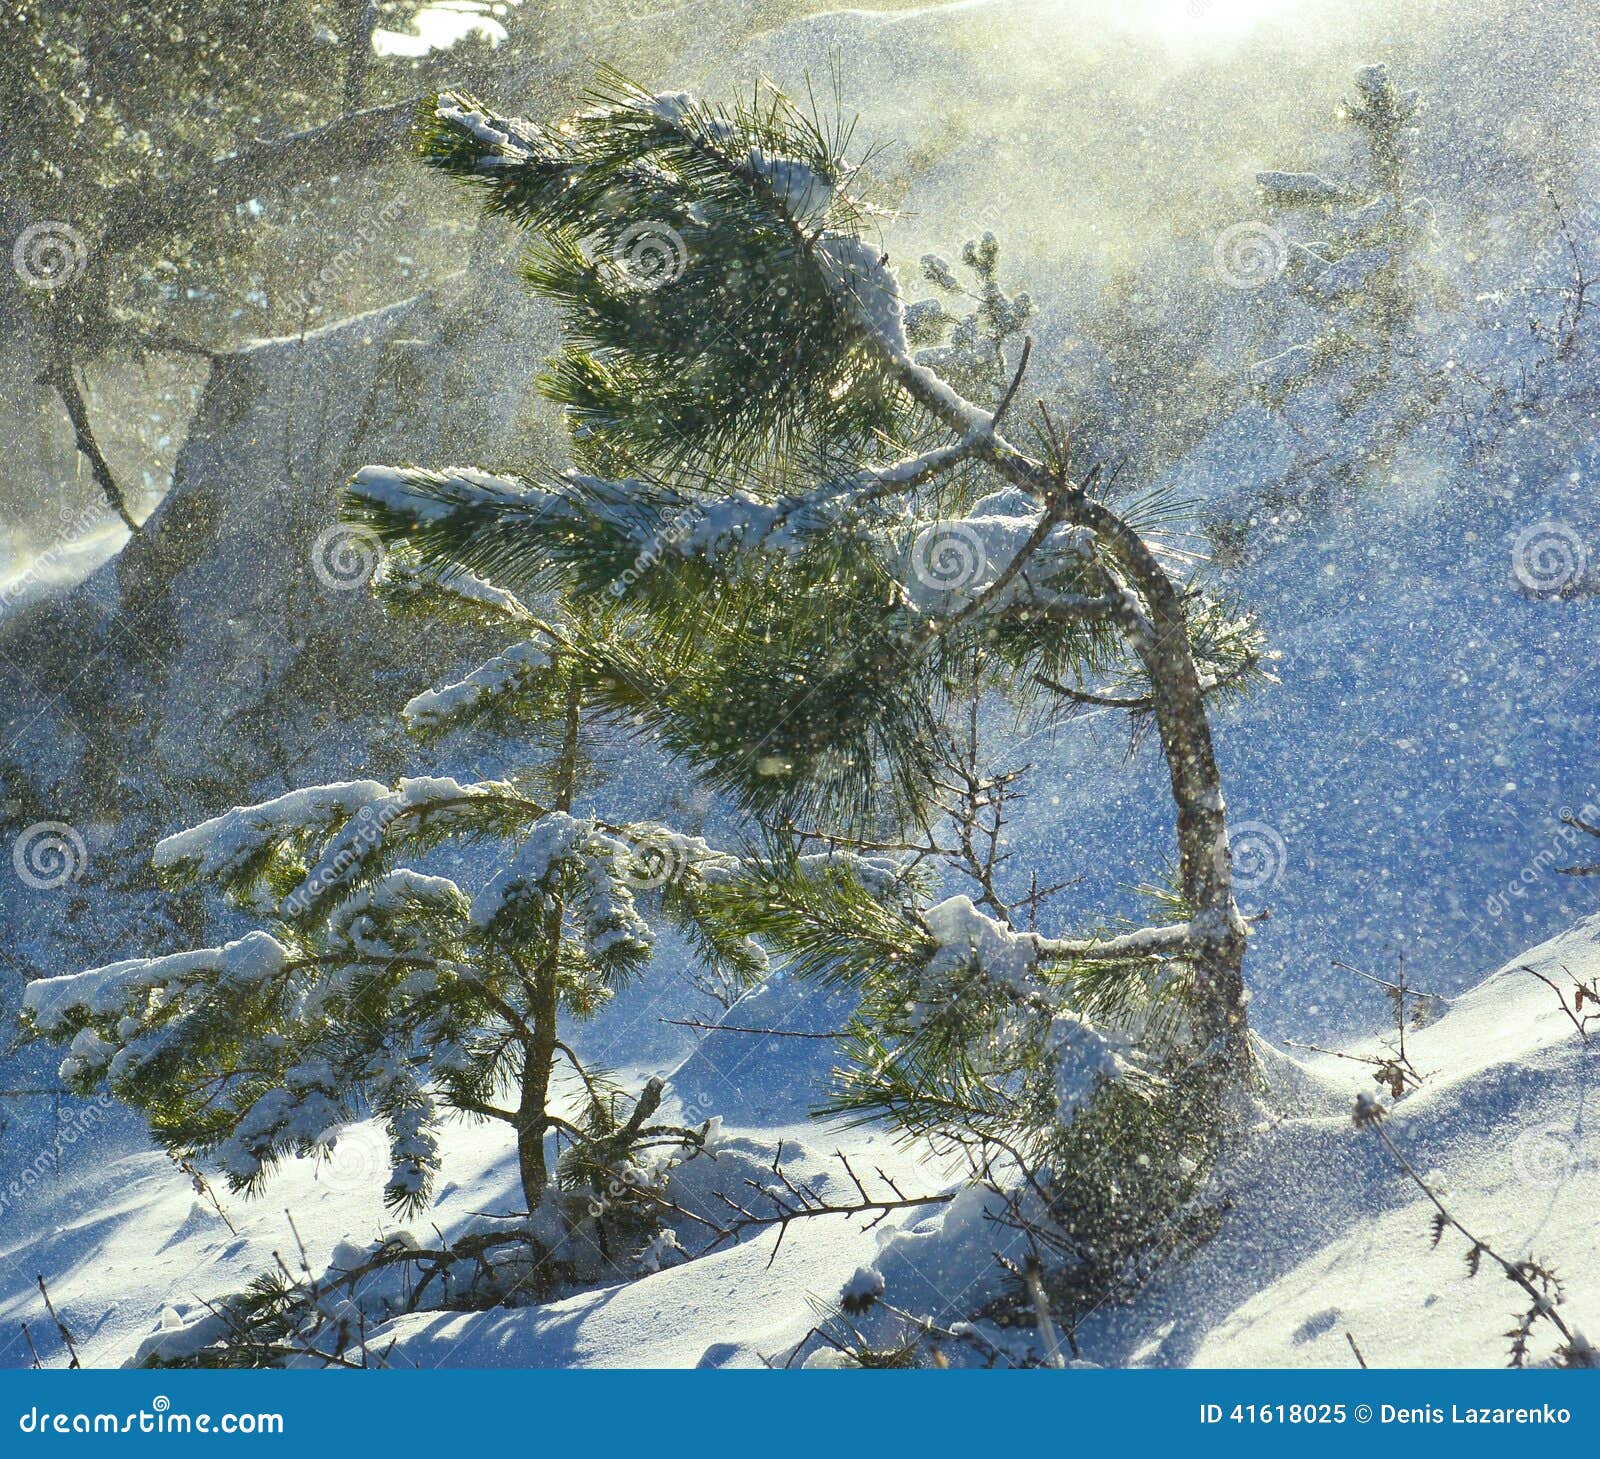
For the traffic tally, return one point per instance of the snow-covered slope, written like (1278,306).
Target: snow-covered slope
(1326,1237)
(1322,1234)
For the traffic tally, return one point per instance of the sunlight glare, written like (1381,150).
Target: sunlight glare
(1201,20)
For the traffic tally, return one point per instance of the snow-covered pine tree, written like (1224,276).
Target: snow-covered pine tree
(830,560)
(1362,269)
(384,988)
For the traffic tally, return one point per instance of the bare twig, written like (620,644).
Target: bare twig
(1016,380)
(776,1033)
(798,1202)
(1536,1280)
(61,1327)
(1582,993)
(61,379)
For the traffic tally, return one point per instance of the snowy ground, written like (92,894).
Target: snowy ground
(1324,1236)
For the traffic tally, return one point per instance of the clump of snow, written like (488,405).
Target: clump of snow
(858,273)
(509,141)
(671,106)
(862,1291)
(401,578)
(663,1250)
(611,923)
(802,193)
(177,1340)
(507,673)
(828,1359)
(254,958)
(219,847)
(426,496)
(952,561)
(1086,1059)
(966,936)
(118,986)
(355,921)
(437,798)
(552,841)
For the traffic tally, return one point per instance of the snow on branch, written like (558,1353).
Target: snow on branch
(1007,552)
(1082,1056)
(123,995)
(428,496)
(357,817)
(436,799)
(221,846)
(399,581)
(507,673)
(964,933)
(858,274)
(357,923)
(51,1002)
(506,140)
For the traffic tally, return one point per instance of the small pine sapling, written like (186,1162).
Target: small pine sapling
(1361,269)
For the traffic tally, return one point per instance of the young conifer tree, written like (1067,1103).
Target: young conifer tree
(1362,268)
(382,988)
(834,562)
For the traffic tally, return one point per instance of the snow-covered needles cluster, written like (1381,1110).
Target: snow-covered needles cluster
(381,988)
